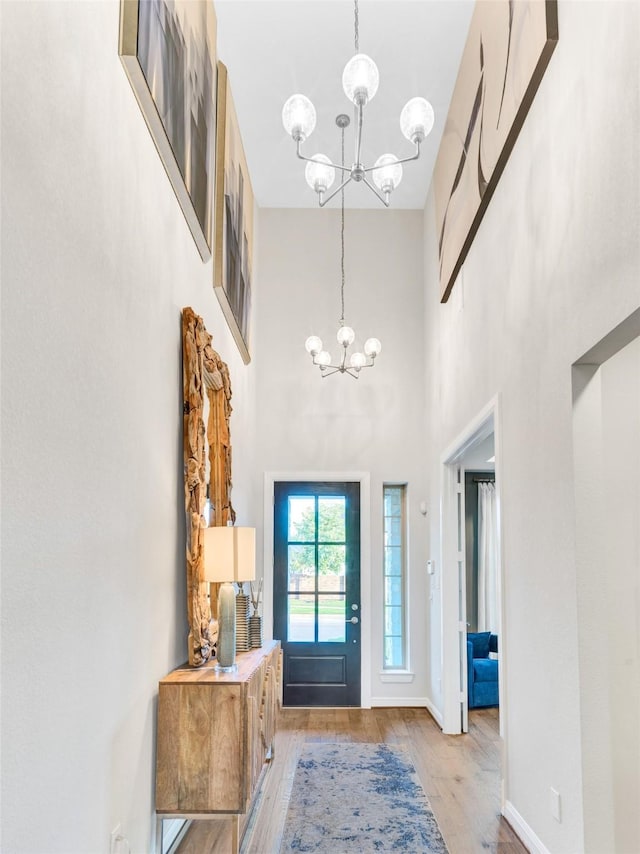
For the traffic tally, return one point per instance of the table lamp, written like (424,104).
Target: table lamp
(229,556)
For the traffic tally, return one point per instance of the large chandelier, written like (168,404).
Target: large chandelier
(346,335)
(360,82)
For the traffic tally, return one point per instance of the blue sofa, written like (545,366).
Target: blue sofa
(482,671)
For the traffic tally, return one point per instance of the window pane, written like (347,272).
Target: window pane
(301,623)
(331,515)
(393,621)
(393,531)
(393,652)
(302,567)
(393,591)
(393,561)
(331,619)
(392,502)
(302,518)
(331,568)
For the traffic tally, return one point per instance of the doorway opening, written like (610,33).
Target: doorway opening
(472,625)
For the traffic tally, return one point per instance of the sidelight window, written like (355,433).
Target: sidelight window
(394,529)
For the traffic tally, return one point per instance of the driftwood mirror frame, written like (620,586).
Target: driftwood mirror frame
(205,378)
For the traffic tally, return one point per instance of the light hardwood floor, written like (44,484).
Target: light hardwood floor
(460,775)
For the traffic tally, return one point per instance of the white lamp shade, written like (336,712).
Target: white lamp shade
(345,336)
(229,554)
(358,360)
(313,345)
(416,119)
(299,117)
(360,79)
(323,358)
(320,174)
(372,347)
(388,174)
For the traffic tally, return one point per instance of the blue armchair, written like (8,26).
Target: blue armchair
(482,671)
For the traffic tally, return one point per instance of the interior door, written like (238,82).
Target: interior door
(316,607)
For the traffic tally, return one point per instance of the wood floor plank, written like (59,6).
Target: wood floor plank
(460,775)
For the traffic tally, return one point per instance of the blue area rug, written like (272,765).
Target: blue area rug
(360,798)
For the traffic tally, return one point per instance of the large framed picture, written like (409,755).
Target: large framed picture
(506,54)
(232,269)
(168,50)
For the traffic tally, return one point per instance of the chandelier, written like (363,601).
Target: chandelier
(360,83)
(346,335)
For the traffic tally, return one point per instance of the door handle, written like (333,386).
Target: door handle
(353,620)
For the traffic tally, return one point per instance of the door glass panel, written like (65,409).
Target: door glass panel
(301,624)
(302,568)
(302,519)
(331,568)
(331,520)
(331,619)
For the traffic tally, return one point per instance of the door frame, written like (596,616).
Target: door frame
(364,479)
(453,661)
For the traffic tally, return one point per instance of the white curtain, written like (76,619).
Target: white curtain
(487,559)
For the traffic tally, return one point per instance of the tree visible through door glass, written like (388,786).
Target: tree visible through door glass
(316,552)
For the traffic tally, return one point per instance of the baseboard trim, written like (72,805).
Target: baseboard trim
(435,713)
(522,830)
(400,702)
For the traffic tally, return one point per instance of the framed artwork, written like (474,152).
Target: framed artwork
(506,54)
(232,269)
(168,50)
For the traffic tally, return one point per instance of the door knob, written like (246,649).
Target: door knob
(353,620)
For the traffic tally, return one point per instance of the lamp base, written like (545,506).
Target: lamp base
(231,668)
(226,650)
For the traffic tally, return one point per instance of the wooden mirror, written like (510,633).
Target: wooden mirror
(207,471)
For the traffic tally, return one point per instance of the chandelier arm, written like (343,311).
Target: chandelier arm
(404,160)
(311,160)
(359,135)
(335,192)
(384,201)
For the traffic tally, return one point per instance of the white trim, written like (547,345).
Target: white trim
(399,702)
(435,713)
(526,835)
(364,478)
(396,676)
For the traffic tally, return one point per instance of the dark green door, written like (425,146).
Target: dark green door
(316,607)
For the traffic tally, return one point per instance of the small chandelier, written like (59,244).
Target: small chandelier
(346,335)
(360,83)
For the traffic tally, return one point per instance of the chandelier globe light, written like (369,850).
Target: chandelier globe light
(360,80)
(345,335)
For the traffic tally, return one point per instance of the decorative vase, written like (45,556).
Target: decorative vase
(242,622)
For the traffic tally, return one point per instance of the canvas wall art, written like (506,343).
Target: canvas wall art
(509,46)
(234,221)
(168,49)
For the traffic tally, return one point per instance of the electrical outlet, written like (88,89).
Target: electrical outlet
(555,804)
(116,838)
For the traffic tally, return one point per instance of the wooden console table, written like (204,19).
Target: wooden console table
(215,735)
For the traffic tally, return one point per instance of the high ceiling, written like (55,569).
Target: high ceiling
(275,48)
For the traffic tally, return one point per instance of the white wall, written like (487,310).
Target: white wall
(375,424)
(607,461)
(97,262)
(555,265)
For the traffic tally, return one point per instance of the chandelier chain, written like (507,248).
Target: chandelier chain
(342,237)
(357,34)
